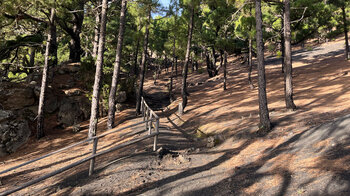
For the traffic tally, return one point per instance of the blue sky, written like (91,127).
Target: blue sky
(165,2)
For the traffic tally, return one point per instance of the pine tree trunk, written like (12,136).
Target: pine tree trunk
(98,74)
(265,124)
(225,69)
(32,57)
(53,44)
(40,119)
(136,57)
(288,69)
(75,49)
(176,66)
(184,92)
(96,30)
(115,78)
(250,62)
(172,68)
(347,52)
(143,65)
(282,44)
(221,60)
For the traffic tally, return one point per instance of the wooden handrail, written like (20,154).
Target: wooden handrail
(148,117)
(68,147)
(32,182)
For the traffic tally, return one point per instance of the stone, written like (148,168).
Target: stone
(5,115)
(214,140)
(3,153)
(183,159)
(51,103)
(16,96)
(73,111)
(73,92)
(34,83)
(210,142)
(13,134)
(76,128)
(121,97)
(60,71)
(70,67)
(119,107)
(69,113)
(37,91)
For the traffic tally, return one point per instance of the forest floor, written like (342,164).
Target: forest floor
(306,153)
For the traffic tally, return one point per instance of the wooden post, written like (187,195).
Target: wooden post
(150,123)
(147,116)
(180,109)
(92,161)
(142,106)
(156,136)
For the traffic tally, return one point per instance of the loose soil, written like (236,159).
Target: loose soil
(306,153)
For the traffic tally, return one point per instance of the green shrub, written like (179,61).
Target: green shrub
(18,77)
(279,54)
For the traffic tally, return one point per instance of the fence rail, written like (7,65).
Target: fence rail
(150,119)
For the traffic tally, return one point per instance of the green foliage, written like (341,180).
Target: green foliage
(17,77)
(279,54)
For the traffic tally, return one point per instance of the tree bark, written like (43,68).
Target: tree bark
(265,124)
(282,43)
(75,49)
(32,57)
(172,68)
(250,64)
(347,52)
(288,69)
(115,78)
(41,107)
(143,65)
(136,57)
(96,30)
(53,44)
(225,69)
(176,66)
(98,74)
(184,92)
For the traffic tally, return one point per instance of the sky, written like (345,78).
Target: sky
(164,2)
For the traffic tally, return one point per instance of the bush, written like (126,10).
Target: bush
(279,54)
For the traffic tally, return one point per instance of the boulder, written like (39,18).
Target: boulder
(70,67)
(69,113)
(33,83)
(13,134)
(73,92)
(16,96)
(5,115)
(119,107)
(121,97)
(73,111)
(51,103)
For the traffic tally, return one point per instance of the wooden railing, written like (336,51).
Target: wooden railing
(150,119)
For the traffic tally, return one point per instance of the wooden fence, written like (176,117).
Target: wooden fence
(150,119)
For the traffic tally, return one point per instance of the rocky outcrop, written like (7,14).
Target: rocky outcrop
(66,104)
(73,111)
(14,132)
(69,68)
(16,96)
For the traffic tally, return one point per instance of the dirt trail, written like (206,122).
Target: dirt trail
(305,154)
